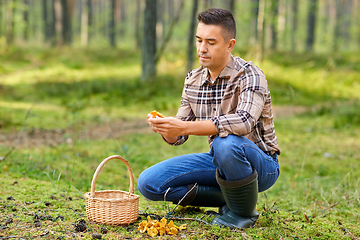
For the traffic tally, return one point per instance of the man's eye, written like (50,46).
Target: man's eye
(211,43)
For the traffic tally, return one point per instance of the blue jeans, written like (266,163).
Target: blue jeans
(234,156)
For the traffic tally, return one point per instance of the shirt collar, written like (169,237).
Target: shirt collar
(224,74)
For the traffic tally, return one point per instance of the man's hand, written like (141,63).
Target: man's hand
(170,128)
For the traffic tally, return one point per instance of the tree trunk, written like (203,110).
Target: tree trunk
(45,20)
(311,22)
(66,22)
(84,23)
(160,25)
(10,22)
(357,26)
(112,24)
(281,25)
(90,19)
(26,20)
(253,21)
(274,24)
(149,43)
(346,16)
(170,7)
(294,24)
(1,18)
(191,35)
(123,17)
(137,24)
(170,31)
(260,31)
(52,25)
(230,5)
(58,23)
(354,24)
(208,4)
(333,24)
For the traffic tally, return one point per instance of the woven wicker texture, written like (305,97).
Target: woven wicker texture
(112,207)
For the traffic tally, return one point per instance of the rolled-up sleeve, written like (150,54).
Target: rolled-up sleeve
(184,113)
(251,101)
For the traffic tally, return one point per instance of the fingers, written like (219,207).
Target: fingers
(155,123)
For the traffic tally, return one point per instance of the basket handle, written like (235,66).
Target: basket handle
(131,188)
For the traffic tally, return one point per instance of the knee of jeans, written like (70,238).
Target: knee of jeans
(224,149)
(221,143)
(145,187)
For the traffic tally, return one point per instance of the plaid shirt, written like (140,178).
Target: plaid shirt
(238,102)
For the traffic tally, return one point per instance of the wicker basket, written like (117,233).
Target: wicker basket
(112,207)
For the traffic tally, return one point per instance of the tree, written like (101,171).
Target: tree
(112,32)
(66,22)
(232,6)
(273,23)
(84,22)
(45,20)
(260,31)
(311,22)
(26,19)
(137,23)
(1,18)
(90,19)
(49,21)
(208,4)
(10,19)
(170,31)
(149,42)
(191,35)
(52,25)
(58,23)
(253,21)
(123,15)
(294,6)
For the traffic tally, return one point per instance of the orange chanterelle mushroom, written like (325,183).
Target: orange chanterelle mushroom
(155,228)
(156,114)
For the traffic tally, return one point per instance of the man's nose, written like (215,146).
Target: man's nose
(203,47)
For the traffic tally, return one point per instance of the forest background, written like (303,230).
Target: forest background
(77,78)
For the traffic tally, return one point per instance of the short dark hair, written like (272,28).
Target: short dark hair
(219,17)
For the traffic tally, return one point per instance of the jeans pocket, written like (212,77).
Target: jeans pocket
(268,181)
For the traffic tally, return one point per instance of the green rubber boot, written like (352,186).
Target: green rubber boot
(241,197)
(203,196)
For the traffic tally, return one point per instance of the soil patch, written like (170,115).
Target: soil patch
(54,137)
(110,130)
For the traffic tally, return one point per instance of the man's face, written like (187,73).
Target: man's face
(212,49)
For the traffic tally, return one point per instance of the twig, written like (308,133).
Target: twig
(82,195)
(8,237)
(44,234)
(183,198)
(166,194)
(7,154)
(40,235)
(326,209)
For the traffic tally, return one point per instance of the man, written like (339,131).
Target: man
(228,100)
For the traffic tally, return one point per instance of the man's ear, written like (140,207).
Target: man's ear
(231,45)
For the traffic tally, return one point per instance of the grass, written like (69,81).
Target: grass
(316,196)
